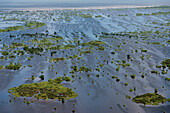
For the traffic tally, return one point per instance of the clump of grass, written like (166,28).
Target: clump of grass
(128,56)
(166,63)
(28,102)
(127,96)
(32,77)
(14,28)
(44,90)
(117,69)
(112,52)
(149,99)
(168,79)
(33,50)
(12,66)
(41,77)
(5,53)
(98,16)
(56,59)
(85,15)
(66,79)
(156,72)
(1,67)
(34,24)
(142,50)
(133,76)
(125,83)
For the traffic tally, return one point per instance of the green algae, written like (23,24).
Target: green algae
(44,90)
(149,99)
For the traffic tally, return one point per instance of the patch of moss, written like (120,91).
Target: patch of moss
(44,90)
(149,99)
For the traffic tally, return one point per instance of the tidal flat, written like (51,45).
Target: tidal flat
(85,60)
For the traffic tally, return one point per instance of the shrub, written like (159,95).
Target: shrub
(112,52)
(128,56)
(32,77)
(142,50)
(12,66)
(1,67)
(5,53)
(168,79)
(63,100)
(132,76)
(41,77)
(149,99)
(66,79)
(126,83)
(28,102)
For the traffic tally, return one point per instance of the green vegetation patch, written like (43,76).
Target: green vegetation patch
(14,28)
(98,16)
(33,50)
(34,24)
(95,43)
(168,79)
(56,59)
(168,41)
(166,63)
(12,66)
(123,15)
(85,15)
(149,99)
(68,47)
(157,13)
(1,67)
(44,90)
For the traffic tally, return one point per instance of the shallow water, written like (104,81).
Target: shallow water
(105,95)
